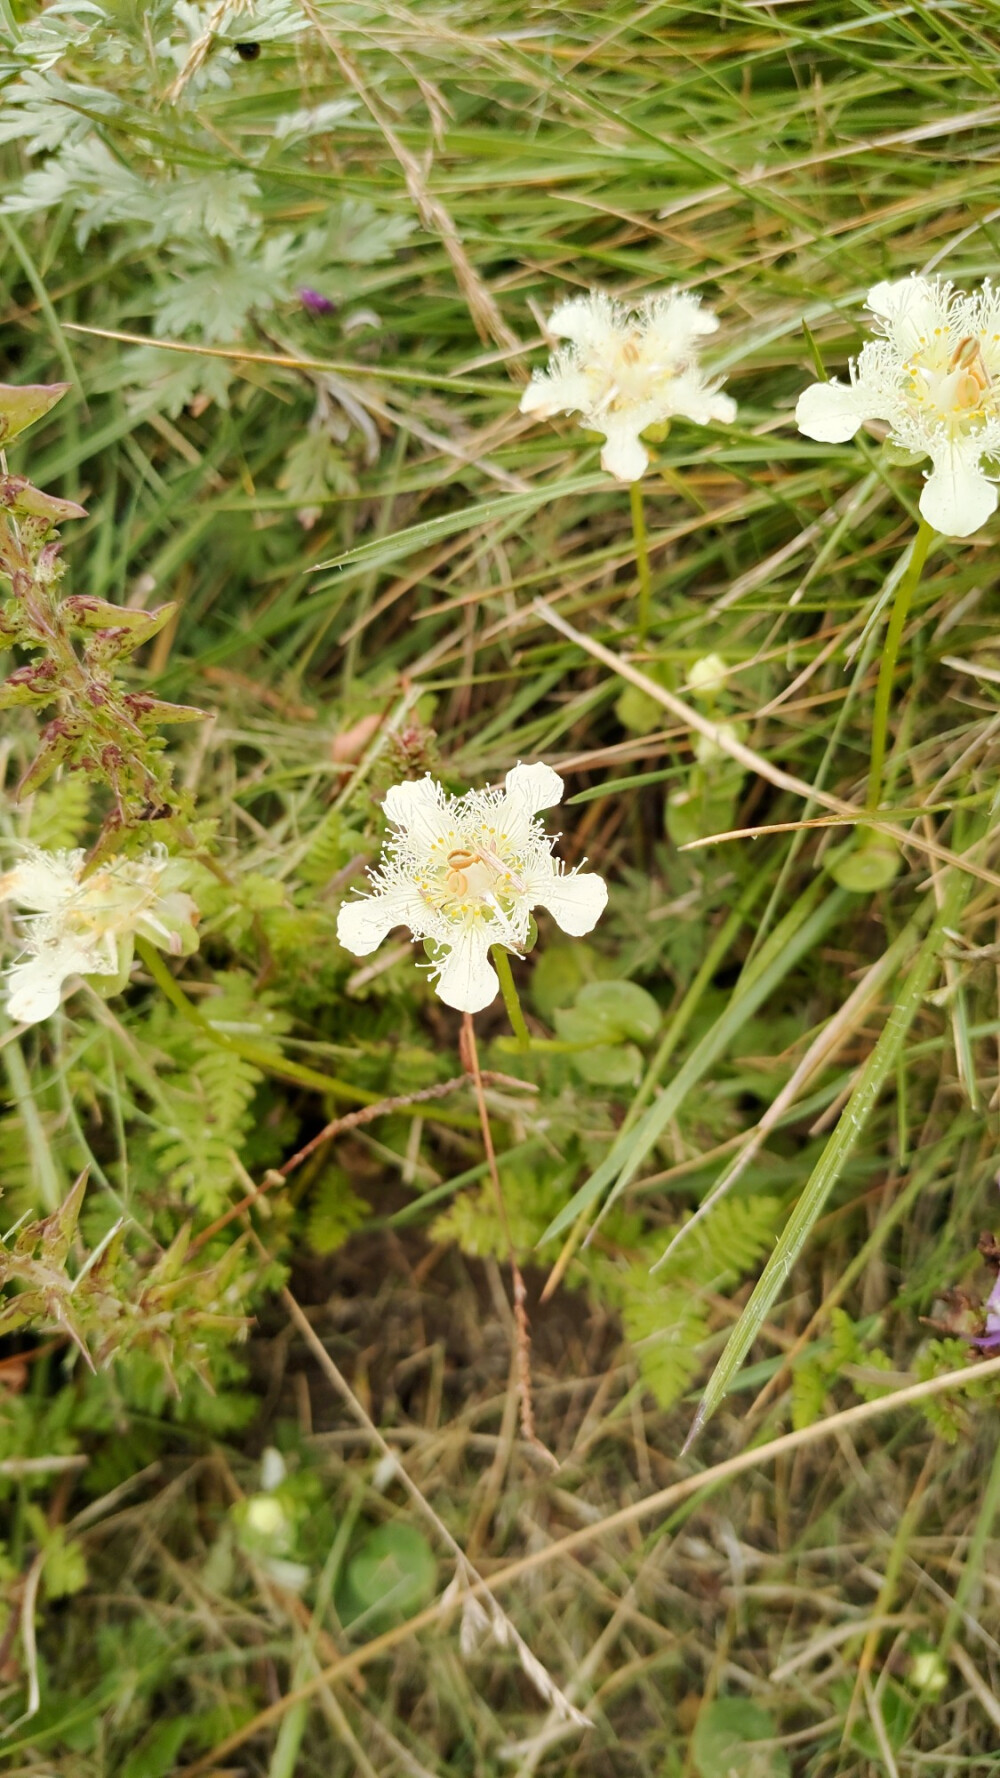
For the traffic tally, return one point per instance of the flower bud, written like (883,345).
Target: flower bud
(707,675)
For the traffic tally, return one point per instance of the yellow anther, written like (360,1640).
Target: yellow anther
(968,357)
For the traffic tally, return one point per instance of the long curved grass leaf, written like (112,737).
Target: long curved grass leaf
(836,1154)
(802,928)
(380,551)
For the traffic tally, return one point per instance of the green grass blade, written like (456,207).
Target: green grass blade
(381,551)
(835,1155)
(792,939)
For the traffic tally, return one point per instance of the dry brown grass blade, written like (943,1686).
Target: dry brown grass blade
(201,46)
(626,1516)
(232,354)
(486,316)
(467,1583)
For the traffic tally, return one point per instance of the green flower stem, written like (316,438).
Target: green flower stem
(501,963)
(908,584)
(641,558)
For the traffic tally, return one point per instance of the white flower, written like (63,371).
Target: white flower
(88,926)
(626,368)
(465,872)
(934,375)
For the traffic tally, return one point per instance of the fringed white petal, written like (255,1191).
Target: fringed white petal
(985,318)
(418,810)
(722,408)
(536,785)
(527,789)
(466,979)
(34,985)
(832,412)
(911,308)
(697,400)
(586,320)
(34,989)
(42,881)
(624,455)
(575,900)
(673,323)
(562,389)
(363,924)
(957,497)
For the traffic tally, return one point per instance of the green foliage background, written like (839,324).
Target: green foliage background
(355,523)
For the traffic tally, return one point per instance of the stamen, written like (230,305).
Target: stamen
(968,357)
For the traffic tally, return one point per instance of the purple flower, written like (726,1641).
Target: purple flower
(315,301)
(989,1339)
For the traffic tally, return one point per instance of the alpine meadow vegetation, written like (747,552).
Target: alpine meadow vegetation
(499,1151)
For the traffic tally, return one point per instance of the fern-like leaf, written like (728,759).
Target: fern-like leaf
(59,812)
(666,1325)
(809,1387)
(335,1211)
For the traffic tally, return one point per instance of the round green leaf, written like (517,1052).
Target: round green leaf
(638,712)
(619,1009)
(391,1576)
(604,1066)
(557,976)
(723,1743)
(864,868)
(695,814)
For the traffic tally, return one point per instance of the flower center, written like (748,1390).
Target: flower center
(957,390)
(623,374)
(107,903)
(475,881)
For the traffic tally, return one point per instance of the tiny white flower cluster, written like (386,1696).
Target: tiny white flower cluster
(933,375)
(88,925)
(628,368)
(465,873)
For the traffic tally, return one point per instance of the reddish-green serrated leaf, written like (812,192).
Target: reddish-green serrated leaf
(155,710)
(64,1220)
(54,1233)
(57,745)
(29,685)
(18,495)
(88,613)
(21,405)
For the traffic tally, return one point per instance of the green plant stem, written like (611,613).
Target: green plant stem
(641,558)
(501,963)
(269,1061)
(908,583)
